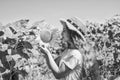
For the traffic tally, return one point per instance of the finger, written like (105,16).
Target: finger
(41,48)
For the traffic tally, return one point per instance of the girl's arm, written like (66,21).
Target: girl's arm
(52,63)
(58,73)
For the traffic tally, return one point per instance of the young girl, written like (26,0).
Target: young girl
(69,64)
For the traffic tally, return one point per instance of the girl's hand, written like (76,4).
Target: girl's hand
(44,50)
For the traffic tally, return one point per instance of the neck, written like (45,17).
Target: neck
(71,45)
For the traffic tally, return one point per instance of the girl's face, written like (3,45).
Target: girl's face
(65,38)
(65,35)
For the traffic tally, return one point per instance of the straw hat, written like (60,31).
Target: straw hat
(67,24)
(79,24)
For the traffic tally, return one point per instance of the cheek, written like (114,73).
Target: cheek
(66,36)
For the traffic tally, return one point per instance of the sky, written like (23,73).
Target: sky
(52,10)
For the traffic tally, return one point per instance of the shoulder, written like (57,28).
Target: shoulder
(76,53)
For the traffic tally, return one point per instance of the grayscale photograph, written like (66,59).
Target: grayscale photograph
(59,39)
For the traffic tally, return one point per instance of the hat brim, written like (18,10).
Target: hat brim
(71,27)
(75,21)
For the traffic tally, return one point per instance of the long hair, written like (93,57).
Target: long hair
(71,43)
(75,39)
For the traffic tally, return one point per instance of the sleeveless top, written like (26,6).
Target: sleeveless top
(71,58)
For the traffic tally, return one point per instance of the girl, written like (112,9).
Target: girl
(68,65)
